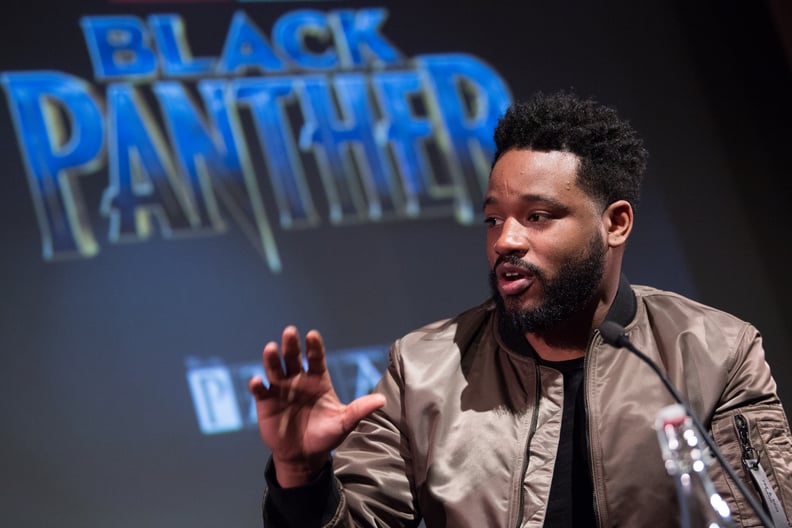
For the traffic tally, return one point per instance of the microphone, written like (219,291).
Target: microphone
(614,334)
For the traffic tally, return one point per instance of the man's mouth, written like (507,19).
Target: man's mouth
(513,280)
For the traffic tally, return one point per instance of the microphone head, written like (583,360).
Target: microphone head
(613,333)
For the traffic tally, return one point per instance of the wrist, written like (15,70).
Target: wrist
(290,474)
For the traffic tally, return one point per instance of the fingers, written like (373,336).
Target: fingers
(272,362)
(290,342)
(315,352)
(256,387)
(291,363)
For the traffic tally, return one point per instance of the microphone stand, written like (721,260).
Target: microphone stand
(613,334)
(686,463)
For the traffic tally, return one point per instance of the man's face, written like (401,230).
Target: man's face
(544,239)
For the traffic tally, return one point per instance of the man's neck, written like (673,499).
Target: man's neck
(561,345)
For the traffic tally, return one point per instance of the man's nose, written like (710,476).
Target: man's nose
(512,239)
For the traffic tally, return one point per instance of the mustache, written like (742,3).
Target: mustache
(514,260)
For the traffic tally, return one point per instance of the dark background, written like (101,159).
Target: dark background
(98,425)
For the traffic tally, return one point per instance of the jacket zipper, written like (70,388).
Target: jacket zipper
(527,457)
(749,457)
(761,483)
(588,432)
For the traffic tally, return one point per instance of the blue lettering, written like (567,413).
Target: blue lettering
(53,160)
(241,374)
(333,140)
(214,399)
(118,47)
(386,143)
(290,32)
(358,39)
(174,51)
(408,135)
(143,181)
(267,99)
(198,153)
(247,49)
(215,158)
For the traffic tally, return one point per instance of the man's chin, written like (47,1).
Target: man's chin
(517,304)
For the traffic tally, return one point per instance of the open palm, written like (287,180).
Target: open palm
(300,416)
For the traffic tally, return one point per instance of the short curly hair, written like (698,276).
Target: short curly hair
(612,155)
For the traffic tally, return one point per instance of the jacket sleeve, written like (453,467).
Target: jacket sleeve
(750,424)
(287,507)
(373,465)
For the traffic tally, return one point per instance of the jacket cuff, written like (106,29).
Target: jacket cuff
(314,504)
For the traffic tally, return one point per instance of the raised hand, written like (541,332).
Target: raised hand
(300,416)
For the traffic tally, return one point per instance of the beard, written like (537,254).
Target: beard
(563,297)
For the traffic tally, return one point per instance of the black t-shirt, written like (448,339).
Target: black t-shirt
(571,502)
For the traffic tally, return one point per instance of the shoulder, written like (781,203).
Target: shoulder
(657,299)
(458,332)
(673,314)
(458,327)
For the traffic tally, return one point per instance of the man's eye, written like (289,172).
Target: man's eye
(538,217)
(492,221)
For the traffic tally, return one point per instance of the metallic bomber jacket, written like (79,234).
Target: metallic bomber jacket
(469,432)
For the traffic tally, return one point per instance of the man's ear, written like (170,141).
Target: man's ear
(618,222)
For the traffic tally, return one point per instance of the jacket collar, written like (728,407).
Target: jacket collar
(624,305)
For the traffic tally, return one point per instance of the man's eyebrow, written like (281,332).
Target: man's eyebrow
(540,199)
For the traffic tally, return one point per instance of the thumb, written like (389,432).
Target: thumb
(360,408)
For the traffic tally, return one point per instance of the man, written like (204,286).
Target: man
(516,412)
